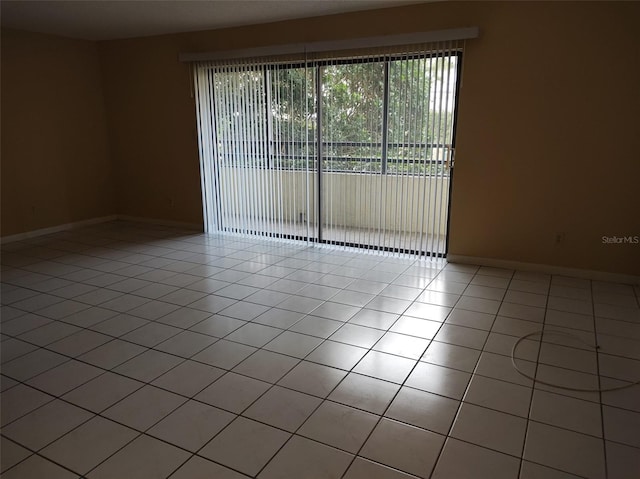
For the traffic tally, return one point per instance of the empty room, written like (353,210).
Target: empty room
(335,239)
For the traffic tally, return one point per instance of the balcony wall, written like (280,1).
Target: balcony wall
(398,204)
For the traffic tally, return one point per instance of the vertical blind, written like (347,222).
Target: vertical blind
(351,149)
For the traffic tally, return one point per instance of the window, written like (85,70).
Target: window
(293,149)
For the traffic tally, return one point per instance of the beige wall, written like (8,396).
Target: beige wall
(55,162)
(547,131)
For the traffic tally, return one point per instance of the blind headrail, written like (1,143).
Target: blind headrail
(335,45)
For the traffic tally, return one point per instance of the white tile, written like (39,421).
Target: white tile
(144,457)
(335,311)
(23,324)
(499,395)
(423,409)
(403,447)
(621,426)
(451,356)
(569,378)
(402,345)
(300,304)
(144,408)
(570,305)
(49,333)
(102,392)
(365,469)
(148,365)
(515,327)
(88,445)
(14,348)
(565,450)
(374,319)
(151,334)
(614,327)
(119,325)
(244,310)
(188,378)
(569,358)
(266,297)
(217,326)
(566,412)
(570,320)
(497,366)
(522,311)
(256,335)
(266,366)
(233,392)
(293,344)
(470,319)
(529,470)
(279,318)
(154,310)
(192,425)
(339,426)
(183,318)
(436,297)
(12,454)
(421,328)
(45,424)
(439,380)
(570,292)
(212,303)
(300,455)
(186,344)
(389,305)
(245,445)
(364,286)
(112,354)
(337,355)
(124,303)
(444,286)
(622,460)
(65,377)
(32,364)
(461,336)
(312,378)
(480,305)
(527,299)
(199,468)
(525,285)
(385,366)
(363,392)
(357,335)
(36,467)
(283,408)
(224,354)
(20,400)
(463,460)
(486,292)
(488,428)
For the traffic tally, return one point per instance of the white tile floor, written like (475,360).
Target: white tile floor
(137,351)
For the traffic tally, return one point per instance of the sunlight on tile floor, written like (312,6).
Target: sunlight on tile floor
(138,351)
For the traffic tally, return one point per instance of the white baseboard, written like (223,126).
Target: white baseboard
(175,224)
(546,268)
(56,229)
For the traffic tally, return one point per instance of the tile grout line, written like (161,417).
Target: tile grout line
(533,384)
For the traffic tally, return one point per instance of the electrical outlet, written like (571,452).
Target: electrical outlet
(560,237)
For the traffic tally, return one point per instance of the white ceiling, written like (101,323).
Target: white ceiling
(112,19)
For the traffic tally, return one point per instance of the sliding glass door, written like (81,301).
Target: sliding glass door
(348,151)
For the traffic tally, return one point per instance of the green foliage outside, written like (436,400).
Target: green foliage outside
(281,105)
